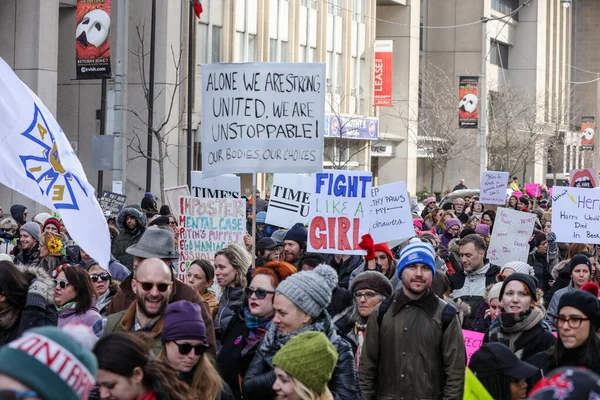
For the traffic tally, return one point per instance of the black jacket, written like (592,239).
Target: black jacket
(345,268)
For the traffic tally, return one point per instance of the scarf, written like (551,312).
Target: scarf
(70,304)
(273,340)
(257,328)
(512,325)
(360,331)
(8,318)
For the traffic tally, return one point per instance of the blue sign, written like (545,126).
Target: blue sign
(365,128)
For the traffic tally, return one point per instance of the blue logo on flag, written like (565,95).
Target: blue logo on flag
(43,165)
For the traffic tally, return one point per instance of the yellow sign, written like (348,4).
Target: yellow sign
(474,390)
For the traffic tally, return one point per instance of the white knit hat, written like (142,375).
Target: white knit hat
(520,267)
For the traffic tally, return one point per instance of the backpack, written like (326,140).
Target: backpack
(448,311)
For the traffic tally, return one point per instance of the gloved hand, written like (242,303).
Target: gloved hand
(367,244)
(552,246)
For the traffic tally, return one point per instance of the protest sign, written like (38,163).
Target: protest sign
(206,226)
(493,187)
(576,214)
(510,238)
(290,200)
(112,203)
(473,341)
(533,189)
(390,216)
(262,117)
(583,178)
(172,197)
(339,211)
(227,185)
(474,390)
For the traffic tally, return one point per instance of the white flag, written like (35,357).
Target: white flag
(38,161)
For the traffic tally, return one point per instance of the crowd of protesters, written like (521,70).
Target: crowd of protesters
(267,319)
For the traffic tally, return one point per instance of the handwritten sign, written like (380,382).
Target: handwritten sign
(339,212)
(290,200)
(510,238)
(221,187)
(473,341)
(172,197)
(583,178)
(576,214)
(390,216)
(112,203)
(206,226)
(262,117)
(493,187)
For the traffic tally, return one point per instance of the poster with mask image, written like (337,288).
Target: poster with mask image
(583,178)
(92,39)
(468,98)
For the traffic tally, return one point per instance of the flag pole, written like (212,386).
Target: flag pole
(191,76)
(151,99)
(253,219)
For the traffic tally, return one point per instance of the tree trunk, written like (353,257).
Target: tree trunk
(432,179)
(524,170)
(161,169)
(443,180)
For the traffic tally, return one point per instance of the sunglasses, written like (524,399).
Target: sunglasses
(162,287)
(6,229)
(60,284)
(9,394)
(185,348)
(103,276)
(259,293)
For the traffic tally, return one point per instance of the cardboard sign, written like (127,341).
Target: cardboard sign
(576,215)
(290,200)
(172,197)
(473,341)
(262,117)
(206,226)
(390,216)
(339,211)
(493,187)
(510,238)
(583,178)
(112,203)
(221,187)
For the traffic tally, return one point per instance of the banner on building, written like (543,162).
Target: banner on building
(583,178)
(221,187)
(112,203)
(468,99)
(383,73)
(290,200)
(575,214)
(342,127)
(390,215)
(493,187)
(262,117)
(339,211)
(588,133)
(92,39)
(206,226)
(510,239)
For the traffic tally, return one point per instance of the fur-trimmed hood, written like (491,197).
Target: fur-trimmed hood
(130,211)
(32,272)
(558,268)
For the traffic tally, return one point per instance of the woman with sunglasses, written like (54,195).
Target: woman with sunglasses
(246,329)
(184,346)
(105,287)
(75,296)
(127,370)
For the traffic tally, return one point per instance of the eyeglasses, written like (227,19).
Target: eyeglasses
(454,229)
(259,293)
(60,284)
(574,322)
(185,348)
(162,287)
(366,295)
(9,394)
(103,276)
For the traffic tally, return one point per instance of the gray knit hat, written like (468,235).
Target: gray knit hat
(33,229)
(310,291)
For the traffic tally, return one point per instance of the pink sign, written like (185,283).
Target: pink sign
(533,189)
(518,195)
(473,341)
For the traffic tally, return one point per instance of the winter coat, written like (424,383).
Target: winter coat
(179,291)
(410,355)
(39,310)
(541,268)
(117,270)
(470,288)
(345,268)
(562,277)
(343,384)
(7,247)
(340,300)
(230,303)
(32,257)
(213,303)
(124,321)
(128,237)
(553,306)
(70,316)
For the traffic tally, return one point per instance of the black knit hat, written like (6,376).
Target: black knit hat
(297,233)
(530,281)
(373,280)
(579,259)
(585,302)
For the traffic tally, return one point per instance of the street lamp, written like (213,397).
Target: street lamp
(566,3)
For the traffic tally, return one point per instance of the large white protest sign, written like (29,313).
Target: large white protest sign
(493,187)
(576,214)
(221,187)
(390,213)
(172,195)
(339,211)
(510,239)
(290,200)
(262,117)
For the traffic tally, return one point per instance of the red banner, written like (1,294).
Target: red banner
(468,99)
(383,73)
(588,133)
(92,39)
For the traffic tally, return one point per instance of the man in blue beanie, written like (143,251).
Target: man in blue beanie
(416,328)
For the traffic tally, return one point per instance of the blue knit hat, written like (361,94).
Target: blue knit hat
(416,253)
(261,217)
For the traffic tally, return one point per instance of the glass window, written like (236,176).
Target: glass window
(273,50)
(251,48)
(304,3)
(329,70)
(506,7)
(363,78)
(312,55)
(338,64)
(302,54)
(499,54)
(201,47)
(216,44)
(284,51)
(313,4)
(239,47)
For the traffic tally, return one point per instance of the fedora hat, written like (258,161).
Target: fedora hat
(155,243)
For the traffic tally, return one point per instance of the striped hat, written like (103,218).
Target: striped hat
(416,253)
